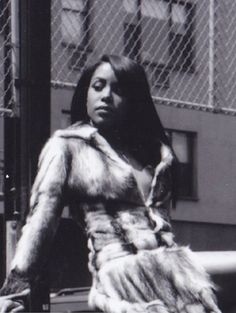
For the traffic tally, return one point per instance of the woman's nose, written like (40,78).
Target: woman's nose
(107,95)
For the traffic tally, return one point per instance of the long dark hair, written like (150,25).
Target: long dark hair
(142,130)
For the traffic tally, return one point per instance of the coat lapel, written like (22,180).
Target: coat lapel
(90,134)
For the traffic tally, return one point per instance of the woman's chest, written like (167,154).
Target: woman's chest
(95,173)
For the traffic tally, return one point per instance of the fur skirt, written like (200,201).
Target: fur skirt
(163,280)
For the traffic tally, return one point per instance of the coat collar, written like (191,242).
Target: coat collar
(91,135)
(77,130)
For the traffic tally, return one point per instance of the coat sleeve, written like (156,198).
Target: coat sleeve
(46,205)
(160,195)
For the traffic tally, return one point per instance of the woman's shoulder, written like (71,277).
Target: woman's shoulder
(60,140)
(68,140)
(61,143)
(78,130)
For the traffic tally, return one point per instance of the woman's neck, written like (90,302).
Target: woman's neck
(122,142)
(114,136)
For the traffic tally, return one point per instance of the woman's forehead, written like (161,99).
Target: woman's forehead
(104,71)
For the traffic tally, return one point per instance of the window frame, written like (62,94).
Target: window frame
(135,53)
(191,139)
(79,51)
(86,19)
(187,37)
(160,77)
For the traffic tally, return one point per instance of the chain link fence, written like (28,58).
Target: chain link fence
(188,48)
(6,59)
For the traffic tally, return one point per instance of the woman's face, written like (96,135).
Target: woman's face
(106,105)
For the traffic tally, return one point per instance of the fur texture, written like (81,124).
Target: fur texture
(135,263)
(15,283)
(163,280)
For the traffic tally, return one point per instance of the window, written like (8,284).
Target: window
(74,30)
(73,22)
(183,144)
(131,40)
(181,36)
(159,74)
(160,32)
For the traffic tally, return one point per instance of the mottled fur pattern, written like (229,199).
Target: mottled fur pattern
(132,273)
(163,280)
(14,283)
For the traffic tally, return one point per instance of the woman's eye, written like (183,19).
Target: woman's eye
(98,86)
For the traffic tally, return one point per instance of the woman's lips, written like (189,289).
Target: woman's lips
(104,109)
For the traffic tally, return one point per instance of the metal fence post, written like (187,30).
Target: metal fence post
(11,144)
(34,86)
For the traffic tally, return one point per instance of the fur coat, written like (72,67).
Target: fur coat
(135,263)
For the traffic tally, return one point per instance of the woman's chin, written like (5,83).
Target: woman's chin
(103,123)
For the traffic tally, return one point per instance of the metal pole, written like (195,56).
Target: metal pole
(34,86)
(211,52)
(11,143)
(12,146)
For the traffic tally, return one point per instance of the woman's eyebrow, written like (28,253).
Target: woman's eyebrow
(99,78)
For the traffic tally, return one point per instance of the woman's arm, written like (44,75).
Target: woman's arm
(46,205)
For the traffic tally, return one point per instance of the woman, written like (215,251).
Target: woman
(114,165)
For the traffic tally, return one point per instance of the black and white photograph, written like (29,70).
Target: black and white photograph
(118,156)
